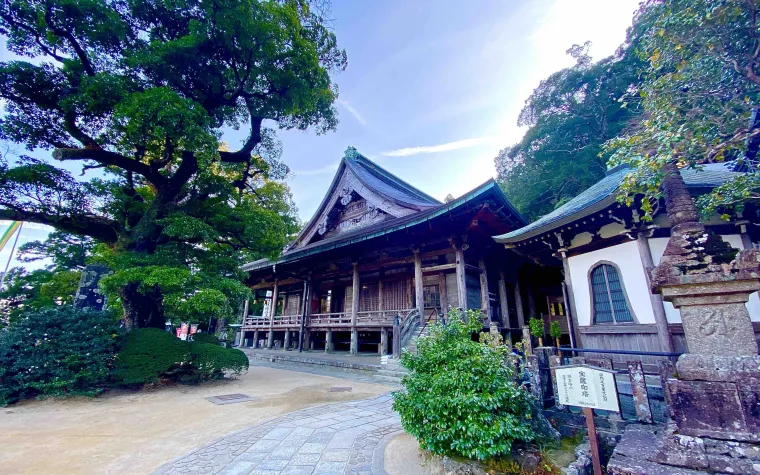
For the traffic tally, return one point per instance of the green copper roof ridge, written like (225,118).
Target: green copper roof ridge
(352,154)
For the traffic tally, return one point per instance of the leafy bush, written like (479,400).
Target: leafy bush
(460,397)
(536,327)
(206,338)
(56,352)
(213,361)
(150,355)
(555,330)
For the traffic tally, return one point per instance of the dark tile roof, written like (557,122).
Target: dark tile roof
(386,183)
(390,226)
(604,192)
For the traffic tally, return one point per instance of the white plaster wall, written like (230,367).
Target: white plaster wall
(657,247)
(626,257)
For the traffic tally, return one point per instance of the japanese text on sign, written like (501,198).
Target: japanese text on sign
(586,386)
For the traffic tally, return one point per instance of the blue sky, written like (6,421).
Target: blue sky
(433,88)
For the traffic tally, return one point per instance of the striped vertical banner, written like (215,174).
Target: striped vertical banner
(8,234)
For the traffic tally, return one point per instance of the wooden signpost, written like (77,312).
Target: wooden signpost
(591,388)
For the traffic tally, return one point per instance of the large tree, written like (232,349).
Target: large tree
(701,87)
(141,90)
(570,115)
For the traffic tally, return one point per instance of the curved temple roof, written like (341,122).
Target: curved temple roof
(604,193)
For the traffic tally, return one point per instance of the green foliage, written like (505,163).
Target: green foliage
(206,338)
(536,327)
(56,352)
(54,285)
(570,115)
(699,90)
(150,355)
(460,397)
(213,362)
(143,91)
(555,330)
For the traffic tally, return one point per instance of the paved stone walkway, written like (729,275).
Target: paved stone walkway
(335,439)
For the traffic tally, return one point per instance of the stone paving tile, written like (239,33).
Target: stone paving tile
(343,438)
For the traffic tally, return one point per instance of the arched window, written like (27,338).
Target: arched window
(610,304)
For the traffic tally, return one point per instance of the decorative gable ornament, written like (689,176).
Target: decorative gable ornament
(360,195)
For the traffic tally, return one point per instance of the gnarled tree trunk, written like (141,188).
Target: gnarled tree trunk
(141,310)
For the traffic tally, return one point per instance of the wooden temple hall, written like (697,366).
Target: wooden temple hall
(377,249)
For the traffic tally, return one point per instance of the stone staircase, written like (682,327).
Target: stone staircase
(412,345)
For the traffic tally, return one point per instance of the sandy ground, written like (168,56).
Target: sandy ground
(403,457)
(136,432)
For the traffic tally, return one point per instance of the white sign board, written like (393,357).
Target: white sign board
(587,386)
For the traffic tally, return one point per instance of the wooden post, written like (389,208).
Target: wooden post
(419,296)
(305,307)
(639,390)
(485,301)
(461,284)
(519,306)
(660,319)
(246,304)
(286,343)
(593,439)
(270,339)
(328,341)
(503,300)
(443,292)
(383,341)
(572,315)
(380,297)
(396,338)
(355,311)
(272,313)
(255,339)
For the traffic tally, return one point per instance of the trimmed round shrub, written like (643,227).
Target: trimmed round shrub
(213,362)
(57,352)
(150,354)
(206,338)
(460,397)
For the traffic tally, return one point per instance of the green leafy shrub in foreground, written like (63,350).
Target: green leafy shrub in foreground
(150,355)
(460,397)
(206,338)
(56,352)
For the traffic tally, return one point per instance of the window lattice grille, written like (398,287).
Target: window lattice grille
(610,305)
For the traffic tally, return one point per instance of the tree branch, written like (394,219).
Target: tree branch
(244,154)
(110,158)
(96,227)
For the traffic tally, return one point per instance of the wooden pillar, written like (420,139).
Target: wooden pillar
(485,301)
(419,296)
(503,300)
(531,302)
(461,285)
(383,341)
(572,315)
(328,341)
(519,305)
(355,311)
(255,339)
(305,312)
(286,343)
(246,305)
(272,312)
(380,301)
(242,338)
(660,319)
(443,292)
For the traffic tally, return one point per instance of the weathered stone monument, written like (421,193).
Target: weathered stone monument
(88,293)
(715,396)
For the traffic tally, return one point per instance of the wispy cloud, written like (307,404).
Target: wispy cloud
(318,171)
(444,147)
(353,111)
